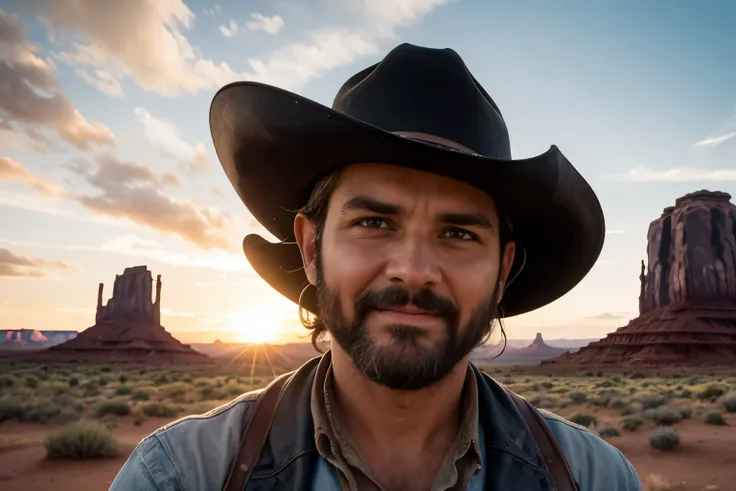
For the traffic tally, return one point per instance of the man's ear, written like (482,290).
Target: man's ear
(305,233)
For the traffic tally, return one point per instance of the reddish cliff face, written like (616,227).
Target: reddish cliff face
(127,328)
(692,253)
(687,299)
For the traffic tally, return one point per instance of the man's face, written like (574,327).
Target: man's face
(407,271)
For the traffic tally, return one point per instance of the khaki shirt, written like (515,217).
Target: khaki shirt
(462,461)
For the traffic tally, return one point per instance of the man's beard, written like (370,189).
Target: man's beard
(403,363)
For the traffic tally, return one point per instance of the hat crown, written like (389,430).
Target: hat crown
(426,90)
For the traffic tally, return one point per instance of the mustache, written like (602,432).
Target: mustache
(397,296)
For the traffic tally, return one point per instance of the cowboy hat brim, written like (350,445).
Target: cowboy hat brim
(274,145)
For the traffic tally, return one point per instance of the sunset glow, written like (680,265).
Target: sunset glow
(256,325)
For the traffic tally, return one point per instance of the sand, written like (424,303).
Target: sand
(706,457)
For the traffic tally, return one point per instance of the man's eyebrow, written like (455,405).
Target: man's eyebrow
(466,219)
(366,203)
(373,205)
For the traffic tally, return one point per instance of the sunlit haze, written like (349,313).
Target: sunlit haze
(107,162)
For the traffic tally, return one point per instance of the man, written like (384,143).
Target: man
(416,231)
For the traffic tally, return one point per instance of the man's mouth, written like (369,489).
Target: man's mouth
(409,310)
(408,315)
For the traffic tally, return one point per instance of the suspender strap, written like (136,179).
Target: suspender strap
(554,460)
(255,434)
(257,429)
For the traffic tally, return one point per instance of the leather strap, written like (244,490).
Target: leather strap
(554,460)
(259,425)
(255,434)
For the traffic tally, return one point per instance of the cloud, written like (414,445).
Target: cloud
(231,30)
(680,174)
(30,99)
(271,25)
(13,171)
(146,42)
(132,245)
(712,141)
(103,81)
(135,192)
(165,136)
(213,10)
(17,265)
(294,65)
(160,58)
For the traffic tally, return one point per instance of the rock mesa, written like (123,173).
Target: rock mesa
(687,295)
(128,327)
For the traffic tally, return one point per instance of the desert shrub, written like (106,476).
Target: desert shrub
(686,412)
(137,421)
(711,392)
(122,379)
(178,392)
(666,415)
(6,382)
(81,440)
(103,381)
(157,410)
(715,417)
(55,388)
(631,408)
(116,408)
(617,403)
(604,384)
(68,414)
(162,379)
(41,410)
(123,390)
(631,423)
(729,402)
(73,382)
(600,400)
(32,382)
(650,400)
(540,386)
(578,397)
(236,390)
(140,395)
(211,393)
(584,419)
(638,375)
(664,439)
(11,408)
(686,394)
(608,432)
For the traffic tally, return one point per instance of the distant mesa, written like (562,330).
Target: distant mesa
(687,297)
(533,353)
(32,339)
(128,328)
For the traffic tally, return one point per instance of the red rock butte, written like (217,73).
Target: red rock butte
(128,328)
(687,298)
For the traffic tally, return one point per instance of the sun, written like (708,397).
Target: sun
(256,325)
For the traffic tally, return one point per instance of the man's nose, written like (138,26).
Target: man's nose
(413,263)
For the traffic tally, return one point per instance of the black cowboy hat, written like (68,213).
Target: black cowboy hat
(274,145)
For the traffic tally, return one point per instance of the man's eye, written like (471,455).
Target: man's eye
(372,223)
(459,234)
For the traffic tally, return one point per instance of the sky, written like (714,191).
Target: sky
(106,159)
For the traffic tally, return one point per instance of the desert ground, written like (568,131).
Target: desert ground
(71,427)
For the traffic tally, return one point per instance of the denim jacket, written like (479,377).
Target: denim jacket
(195,453)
